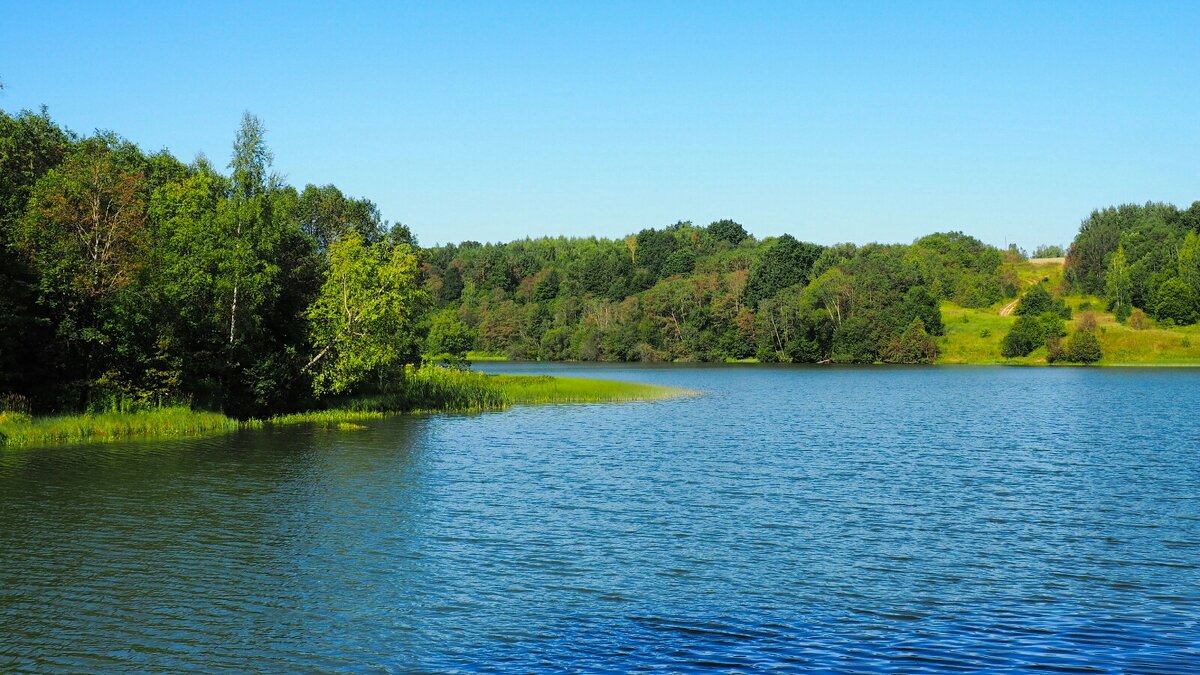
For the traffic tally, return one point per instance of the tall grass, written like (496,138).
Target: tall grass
(18,429)
(527,389)
(424,389)
(430,388)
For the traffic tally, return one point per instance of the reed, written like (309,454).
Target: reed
(423,389)
(19,429)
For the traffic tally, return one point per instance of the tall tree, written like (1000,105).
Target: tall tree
(362,320)
(1118,286)
(84,236)
(248,265)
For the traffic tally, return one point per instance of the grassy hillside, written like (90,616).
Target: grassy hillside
(973,335)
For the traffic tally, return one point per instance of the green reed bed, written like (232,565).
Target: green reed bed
(18,429)
(327,419)
(424,389)
(528,389)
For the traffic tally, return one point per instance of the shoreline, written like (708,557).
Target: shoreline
(21,431)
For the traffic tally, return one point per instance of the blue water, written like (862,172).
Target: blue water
(797,519)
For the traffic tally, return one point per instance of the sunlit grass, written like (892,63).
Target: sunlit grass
(329,419)
(21,430)
(486,356)
(973,337)
(524,389)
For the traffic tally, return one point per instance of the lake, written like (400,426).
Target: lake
(873,519)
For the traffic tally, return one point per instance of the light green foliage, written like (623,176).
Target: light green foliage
(1189,262)
(362,320)
(1118,287)
(448,337)
(161,422)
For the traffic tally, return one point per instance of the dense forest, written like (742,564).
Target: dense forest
(134,278)
(710,293)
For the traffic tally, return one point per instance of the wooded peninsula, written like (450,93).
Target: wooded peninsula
(136,282)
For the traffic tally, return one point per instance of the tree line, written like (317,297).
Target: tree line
(1140,257)
(137,279)
(134,278)
(709,293)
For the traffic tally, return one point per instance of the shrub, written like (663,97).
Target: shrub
(1054,349)
(1025,336)
(1086,321)
(1138,320)
(1037,300)
(1030,332)
(914,345)
(1084,347)
(985,333)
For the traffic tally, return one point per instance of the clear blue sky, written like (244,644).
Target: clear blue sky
(492,121)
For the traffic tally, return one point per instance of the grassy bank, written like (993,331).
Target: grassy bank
(17,429)
(422,390)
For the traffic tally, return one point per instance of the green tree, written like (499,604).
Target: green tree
(1035,301)
(729,231)
(914,345)
(362,320)
(1118,286)
(83,236)
(547,287)
(1175,302)
(248,268)
(449,339)
(1189,262)
(786,262)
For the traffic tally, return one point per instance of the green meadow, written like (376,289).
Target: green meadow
(972,336)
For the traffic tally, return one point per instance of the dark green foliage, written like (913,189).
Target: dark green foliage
(728,231)
(1149,237)
(1031,332)
(1038,300)
(547,287)
(1035,301)
(452,285)
(914,345)
(1083,347)
(1175,302)
(679,263)
(786,262)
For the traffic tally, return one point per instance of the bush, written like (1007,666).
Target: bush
(1030,332)
(1086,321)
(1138,320)
(1037,300)
(1024,337)
(1084,347)
(914,345)
(1054,349)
